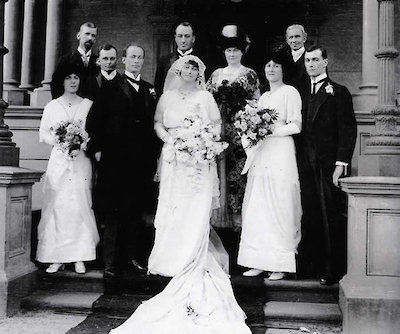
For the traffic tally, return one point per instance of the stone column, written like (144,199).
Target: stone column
(12,61)
(41,96)
(369,294)
(369,85)
(382,153)
(9,154)
(28,46)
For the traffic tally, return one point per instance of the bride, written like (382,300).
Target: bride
(199,298)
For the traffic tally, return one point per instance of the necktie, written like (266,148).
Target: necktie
(137,82)
(314,87)
(85,60)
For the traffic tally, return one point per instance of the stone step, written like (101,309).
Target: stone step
(74,302)
(294,315)
(67,280)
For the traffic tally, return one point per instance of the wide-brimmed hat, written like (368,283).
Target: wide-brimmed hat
(234,36)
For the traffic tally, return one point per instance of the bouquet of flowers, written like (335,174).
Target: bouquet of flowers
(196,143)
(254,123)
(71,138)
(232,96)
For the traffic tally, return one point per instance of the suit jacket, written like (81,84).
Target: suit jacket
(120,125)
(73,58)
(163,66)
(93,84)
(299,76)
(329,125)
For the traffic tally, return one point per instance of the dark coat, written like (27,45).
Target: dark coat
(73,58)
(120,125)
(298,77)
(93,84)
(328,135)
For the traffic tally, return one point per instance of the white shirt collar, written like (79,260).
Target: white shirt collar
(109,76)
(83,53)
(131,75)
(296,54)
(319,77)
(187,52)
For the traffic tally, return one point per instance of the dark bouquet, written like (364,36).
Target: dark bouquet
(71,138)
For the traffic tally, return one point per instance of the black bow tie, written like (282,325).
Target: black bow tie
(137,82)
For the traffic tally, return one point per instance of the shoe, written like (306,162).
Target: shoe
(80,267)
(276,276)
(53,268)
(136,265)
(109,272)
(326,281)
(253,272)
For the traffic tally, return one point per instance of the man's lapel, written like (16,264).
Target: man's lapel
(319,100)
(99,80)
(126,88)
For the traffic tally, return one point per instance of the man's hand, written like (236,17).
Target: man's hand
(97,156)
(338,172)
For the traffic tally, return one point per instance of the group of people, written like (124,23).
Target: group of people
(289,206)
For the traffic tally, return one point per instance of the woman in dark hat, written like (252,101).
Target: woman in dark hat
(272,211)
(67,230)
(231,86)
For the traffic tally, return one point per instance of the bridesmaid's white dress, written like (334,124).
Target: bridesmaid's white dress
(199,298)
(67,230)
(272,211)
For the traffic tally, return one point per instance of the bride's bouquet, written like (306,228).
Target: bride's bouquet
(196,142)
(71,138)
(255,123)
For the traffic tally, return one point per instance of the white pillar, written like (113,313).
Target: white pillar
(42,95)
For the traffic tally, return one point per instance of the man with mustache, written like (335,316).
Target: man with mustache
(82,57)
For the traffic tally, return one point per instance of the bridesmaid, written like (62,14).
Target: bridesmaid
(234,43)
(272,207)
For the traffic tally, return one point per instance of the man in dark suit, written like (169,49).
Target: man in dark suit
(184,39)
(296,37)
(328,140)
(120,125)
(82,57)
(107,62)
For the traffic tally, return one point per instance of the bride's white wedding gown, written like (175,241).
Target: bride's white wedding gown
(199,299)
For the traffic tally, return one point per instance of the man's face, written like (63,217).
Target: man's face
(86,37)
(184,38)
(134,60)
(295,39)
(107,60)
(315,64)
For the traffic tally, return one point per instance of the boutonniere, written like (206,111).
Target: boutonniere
(152,92)
(329,89)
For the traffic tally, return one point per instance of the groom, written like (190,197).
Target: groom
(120,125)
(328,140)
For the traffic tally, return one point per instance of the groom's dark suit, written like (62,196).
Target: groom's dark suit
(120,125)
(328,136)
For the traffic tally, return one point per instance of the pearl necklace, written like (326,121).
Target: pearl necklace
(184,94)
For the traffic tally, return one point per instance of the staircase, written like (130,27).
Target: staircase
(272,307)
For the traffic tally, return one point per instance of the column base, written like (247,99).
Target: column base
(15,96)
(367,310)
(40,97)
(379,165)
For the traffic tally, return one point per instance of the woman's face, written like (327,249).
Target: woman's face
(189,72)
(233,55)
(71,83)
(273,71)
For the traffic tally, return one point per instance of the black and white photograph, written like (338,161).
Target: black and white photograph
(199,166)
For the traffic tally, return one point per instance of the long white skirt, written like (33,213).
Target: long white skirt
(271,211)
(199,298)
(67,230)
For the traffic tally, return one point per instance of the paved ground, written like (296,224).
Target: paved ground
(40,323)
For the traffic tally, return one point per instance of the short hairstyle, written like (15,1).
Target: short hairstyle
(318,47)
(88,25)
(132,44)
(185,24)
(280,57)
(296,26)
(107,47)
